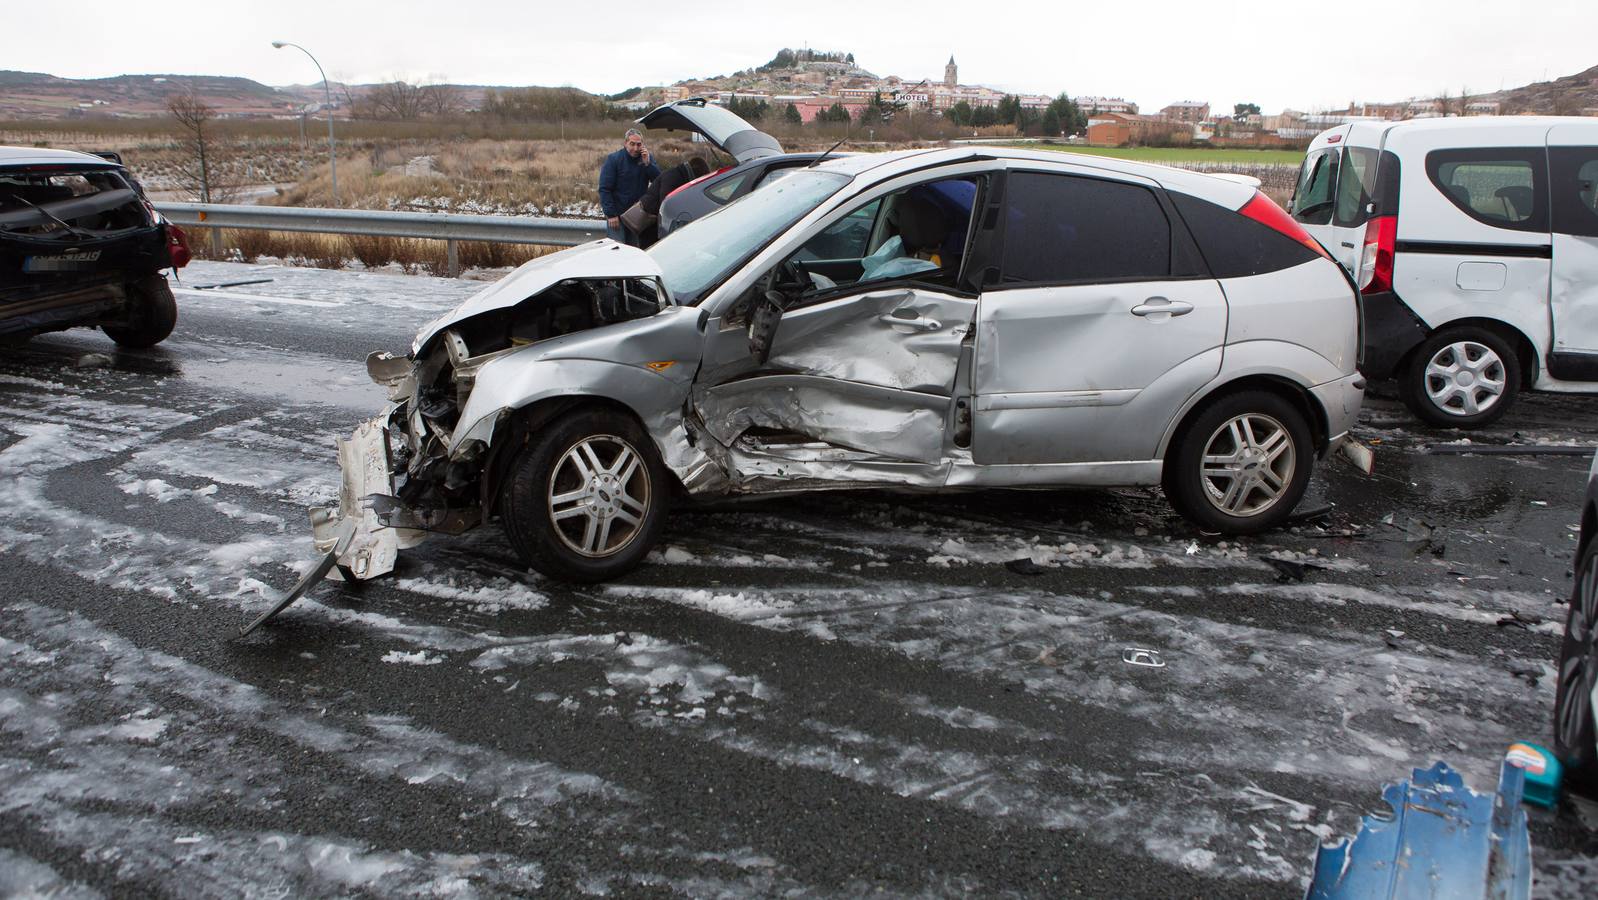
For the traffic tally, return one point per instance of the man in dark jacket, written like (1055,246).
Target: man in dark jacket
(661,188)
(622,181)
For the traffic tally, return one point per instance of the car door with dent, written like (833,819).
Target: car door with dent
(1101,323)
(865,354)
(1573,155)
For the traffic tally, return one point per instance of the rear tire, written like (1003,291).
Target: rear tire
(152,314)
(585,501)
(1464,377)
(1574,730)
(1240,466)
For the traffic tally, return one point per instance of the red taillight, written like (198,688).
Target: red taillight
(1264,210)
(177,246)
(1376,263)
(699,179)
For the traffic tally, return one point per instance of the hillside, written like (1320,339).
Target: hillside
(36,95)
(1567,96)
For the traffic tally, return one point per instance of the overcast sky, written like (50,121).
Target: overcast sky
(1277,54)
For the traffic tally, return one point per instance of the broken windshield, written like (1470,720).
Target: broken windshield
(693,260)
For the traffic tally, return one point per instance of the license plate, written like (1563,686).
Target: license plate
(61,262)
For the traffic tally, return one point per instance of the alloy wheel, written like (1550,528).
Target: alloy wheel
(598,493)
(1248,463)
(1465,378)
(1579,670)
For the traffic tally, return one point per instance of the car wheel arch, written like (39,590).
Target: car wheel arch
(517,426)
(1291,391)
(1525,351)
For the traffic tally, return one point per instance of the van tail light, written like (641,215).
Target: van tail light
(1264,210)
(177,246)
(1376,262)
(697,180)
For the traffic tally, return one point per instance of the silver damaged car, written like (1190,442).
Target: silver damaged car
(929,319)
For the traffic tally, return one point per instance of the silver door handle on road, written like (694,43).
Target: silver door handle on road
(917,323)
(1161,306)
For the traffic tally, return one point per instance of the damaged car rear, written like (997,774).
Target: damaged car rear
(80,245)
(924,320)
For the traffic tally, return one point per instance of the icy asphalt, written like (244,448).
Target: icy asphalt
(833,695)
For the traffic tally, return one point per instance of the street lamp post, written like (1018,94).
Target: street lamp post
(327,90)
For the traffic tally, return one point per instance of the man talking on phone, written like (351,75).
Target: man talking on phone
(623,179)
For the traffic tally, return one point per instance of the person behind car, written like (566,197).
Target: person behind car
(623,179)
(661,188)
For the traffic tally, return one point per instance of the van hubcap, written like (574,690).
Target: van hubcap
(1248,464)
(1465,378)
(598,494)
(1579,671)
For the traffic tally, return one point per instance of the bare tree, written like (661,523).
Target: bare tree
(204,162)
(403,101)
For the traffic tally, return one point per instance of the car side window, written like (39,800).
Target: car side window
(1062,229)
(726,188)
(1575,190)
(1502,187)
(917,232)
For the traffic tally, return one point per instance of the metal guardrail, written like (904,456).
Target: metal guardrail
(447,227)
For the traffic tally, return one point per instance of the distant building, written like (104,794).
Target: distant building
(951,74)
(1191,112)
(1119,129)
(1106,105)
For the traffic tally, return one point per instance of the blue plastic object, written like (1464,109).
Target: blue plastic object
(1440,840)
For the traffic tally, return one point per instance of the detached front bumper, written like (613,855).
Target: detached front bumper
(359,531)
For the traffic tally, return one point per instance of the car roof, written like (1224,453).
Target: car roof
(33,156)
(880,166)
(1375,128)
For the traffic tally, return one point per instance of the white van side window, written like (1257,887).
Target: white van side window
(1502,187)
(1575,190)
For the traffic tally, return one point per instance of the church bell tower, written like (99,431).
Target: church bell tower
(951,77)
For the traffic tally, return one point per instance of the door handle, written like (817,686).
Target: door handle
(1159,306)
(1348,244)
(912,321)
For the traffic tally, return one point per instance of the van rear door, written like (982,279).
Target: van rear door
(1573,184)
(1316,197)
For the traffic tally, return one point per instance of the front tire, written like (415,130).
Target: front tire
(152,314)
(1574,731)
(1242,465)
(1465,377)
(585,502)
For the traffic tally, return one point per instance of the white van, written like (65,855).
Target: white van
(1475,245)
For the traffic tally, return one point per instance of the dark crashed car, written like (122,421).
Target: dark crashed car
(80,245)
(1576,696)
(758,159)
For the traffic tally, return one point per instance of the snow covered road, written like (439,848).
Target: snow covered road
(829,695)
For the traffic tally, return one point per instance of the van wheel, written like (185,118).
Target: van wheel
(152,313)
(586,500)
(1462,377)
(1242,465)
(1574,730)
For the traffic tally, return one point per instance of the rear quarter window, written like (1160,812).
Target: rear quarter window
(1235,246)
(1504,187)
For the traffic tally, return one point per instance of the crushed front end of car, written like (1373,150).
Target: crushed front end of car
(594,323)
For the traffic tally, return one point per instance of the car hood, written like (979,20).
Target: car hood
(727,131)
(597,259)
